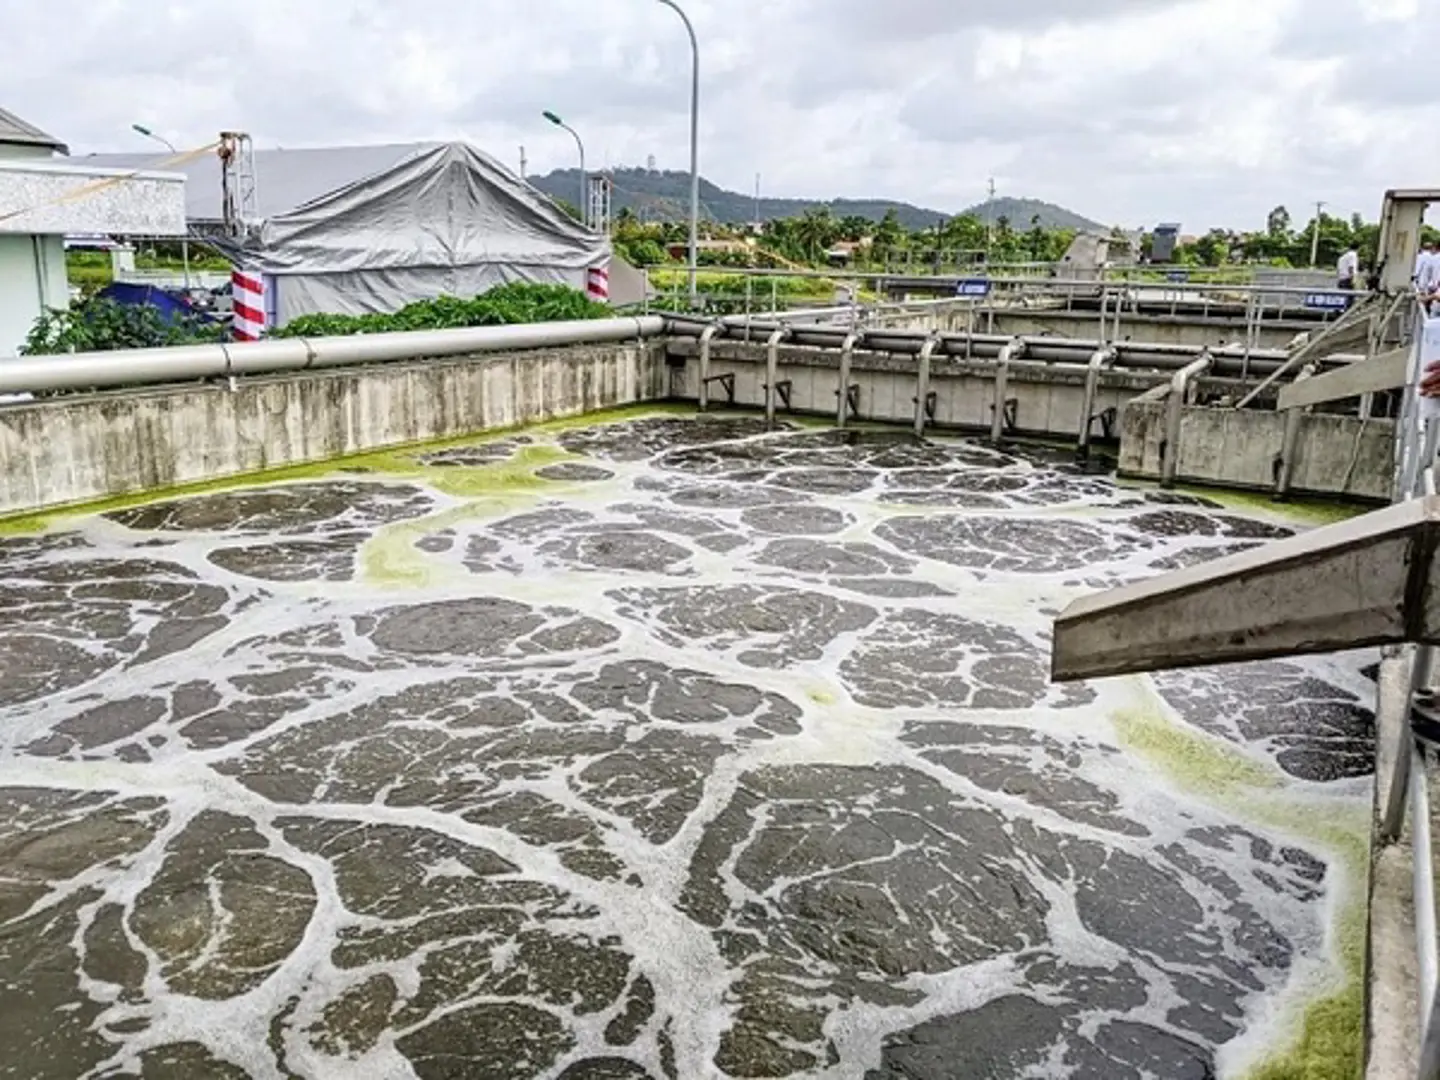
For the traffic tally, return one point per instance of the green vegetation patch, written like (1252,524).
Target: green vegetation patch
(517,302)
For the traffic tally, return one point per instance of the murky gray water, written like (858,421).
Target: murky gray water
(672,750)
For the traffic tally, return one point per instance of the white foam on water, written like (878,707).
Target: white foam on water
(645,909)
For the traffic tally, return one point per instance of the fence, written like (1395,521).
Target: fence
(1403,777)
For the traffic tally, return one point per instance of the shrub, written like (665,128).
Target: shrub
(98,324)
(517,302)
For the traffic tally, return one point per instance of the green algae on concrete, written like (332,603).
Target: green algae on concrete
(1329,1043)
(398,460)
(1301,511)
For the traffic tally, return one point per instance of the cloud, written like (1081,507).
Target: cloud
(1206,111)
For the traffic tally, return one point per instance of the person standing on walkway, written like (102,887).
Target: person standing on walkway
(1348,268)
(1424,266)
(1427,275)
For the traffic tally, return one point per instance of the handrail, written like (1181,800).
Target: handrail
(1406,785)
(1097,282)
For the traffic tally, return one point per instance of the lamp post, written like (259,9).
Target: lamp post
(694,142)
(1315,234)
(184,240)
(584,188)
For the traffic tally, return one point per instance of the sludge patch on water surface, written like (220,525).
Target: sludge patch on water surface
(687,750)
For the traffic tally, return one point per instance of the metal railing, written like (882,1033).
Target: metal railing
(1255,306)
(1406,789)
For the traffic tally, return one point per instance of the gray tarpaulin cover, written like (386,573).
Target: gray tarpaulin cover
(350,230)
(445,220)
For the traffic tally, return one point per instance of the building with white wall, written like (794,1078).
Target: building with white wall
(45,195)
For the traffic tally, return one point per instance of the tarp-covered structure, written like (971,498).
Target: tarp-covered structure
(351,230)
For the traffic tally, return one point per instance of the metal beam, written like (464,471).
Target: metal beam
(1371,580)
(1388,371)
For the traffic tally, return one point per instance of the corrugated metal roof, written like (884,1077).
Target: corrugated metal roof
(284,179)
(15,130)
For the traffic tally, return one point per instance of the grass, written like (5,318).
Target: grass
(90,270)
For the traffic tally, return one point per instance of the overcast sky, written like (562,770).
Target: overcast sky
(1129,111)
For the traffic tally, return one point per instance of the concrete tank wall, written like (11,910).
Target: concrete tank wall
(78,448)
(1049,398)
(1335,456)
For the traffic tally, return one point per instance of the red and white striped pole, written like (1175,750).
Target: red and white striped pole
(248,304)
(597,283)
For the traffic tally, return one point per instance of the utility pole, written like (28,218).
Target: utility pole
(989,219)
(522,163)
(1315,234)
(757,202)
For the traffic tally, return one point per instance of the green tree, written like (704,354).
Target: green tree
(889,233)
(815,231)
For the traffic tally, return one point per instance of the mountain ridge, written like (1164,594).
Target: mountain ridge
(665,196)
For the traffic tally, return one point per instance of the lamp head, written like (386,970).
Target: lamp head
(552,118)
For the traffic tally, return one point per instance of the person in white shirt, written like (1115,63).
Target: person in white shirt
(1348,268)
(1427,269)
(1427,275)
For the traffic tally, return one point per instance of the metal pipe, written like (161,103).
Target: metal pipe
(1101,358)
(960,345)
(1392,821)
(137,367)
(1294,418)
(1002,384)
(1175,403)
(922,383)
(706,337)
(1424,887)
(772,371)
(847,357)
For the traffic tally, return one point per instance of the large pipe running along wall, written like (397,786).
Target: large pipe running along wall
(75,448)
(138,367)
(1229,361)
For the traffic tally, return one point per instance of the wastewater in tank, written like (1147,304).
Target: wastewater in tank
(657,748)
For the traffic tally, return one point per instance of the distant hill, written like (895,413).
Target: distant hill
(1021,213)
(665,196)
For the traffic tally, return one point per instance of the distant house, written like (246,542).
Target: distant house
(681,249)
(843,252)
(43,197)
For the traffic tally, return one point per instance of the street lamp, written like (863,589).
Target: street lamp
(184,240)
(694,142)
(584,188)
(1315,234)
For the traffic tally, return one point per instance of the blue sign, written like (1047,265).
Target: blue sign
(1328,301)
(973,287)
(1178,275)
